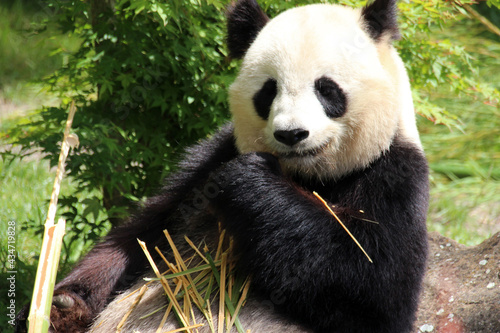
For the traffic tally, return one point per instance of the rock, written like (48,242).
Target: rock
(461,288)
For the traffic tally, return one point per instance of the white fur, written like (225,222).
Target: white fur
(298,47)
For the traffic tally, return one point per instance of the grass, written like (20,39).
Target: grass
(25,187)
(465,209)
(24,194)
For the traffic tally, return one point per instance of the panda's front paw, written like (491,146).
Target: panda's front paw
(69,313)
(246,170)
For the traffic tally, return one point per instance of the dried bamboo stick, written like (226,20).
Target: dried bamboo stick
(136,302)
(165,285)
(41,302)
(342,224)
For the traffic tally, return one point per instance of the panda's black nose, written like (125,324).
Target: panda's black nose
(291,137)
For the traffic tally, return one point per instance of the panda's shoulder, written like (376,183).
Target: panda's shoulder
(216,148)
(404,156)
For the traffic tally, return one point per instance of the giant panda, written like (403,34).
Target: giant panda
(322,103)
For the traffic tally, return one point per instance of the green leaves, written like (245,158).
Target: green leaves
(495,3)
(149,77)
(435,63)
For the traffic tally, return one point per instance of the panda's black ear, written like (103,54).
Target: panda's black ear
(245,19)
(381,18)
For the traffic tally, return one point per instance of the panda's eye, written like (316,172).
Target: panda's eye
(264,98)
(331,97)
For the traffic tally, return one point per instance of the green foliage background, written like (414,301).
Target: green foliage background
(150,77)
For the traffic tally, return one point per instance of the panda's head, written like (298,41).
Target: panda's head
(320,87)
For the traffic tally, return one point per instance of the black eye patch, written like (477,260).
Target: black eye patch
(264,98)
(331,97)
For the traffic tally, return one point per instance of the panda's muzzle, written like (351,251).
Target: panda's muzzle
(291,137)
(303,153)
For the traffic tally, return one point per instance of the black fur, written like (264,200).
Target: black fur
(331,97)
(264,98)
(245,19)
(381,17)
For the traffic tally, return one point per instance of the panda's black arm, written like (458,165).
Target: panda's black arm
(117,261)
(302,260)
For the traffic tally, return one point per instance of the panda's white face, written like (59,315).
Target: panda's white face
(317,92)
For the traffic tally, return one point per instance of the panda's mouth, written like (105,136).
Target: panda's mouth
(304,153)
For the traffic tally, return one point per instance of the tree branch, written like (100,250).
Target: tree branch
(493,28)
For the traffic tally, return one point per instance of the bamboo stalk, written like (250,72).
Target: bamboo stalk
(243,297)
(493,28)
(165,285)
(164,318)
(41,302)
(185,328)
(169,308)
(210,276)
(210,317)
(183,267)
(219,246)
(136,302)
(68,141)
(39,317)
(222,292)
(343,226)
(196,249)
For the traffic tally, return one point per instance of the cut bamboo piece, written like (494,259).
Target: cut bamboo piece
(41,302)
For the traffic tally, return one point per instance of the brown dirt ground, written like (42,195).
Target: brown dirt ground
(461,288)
